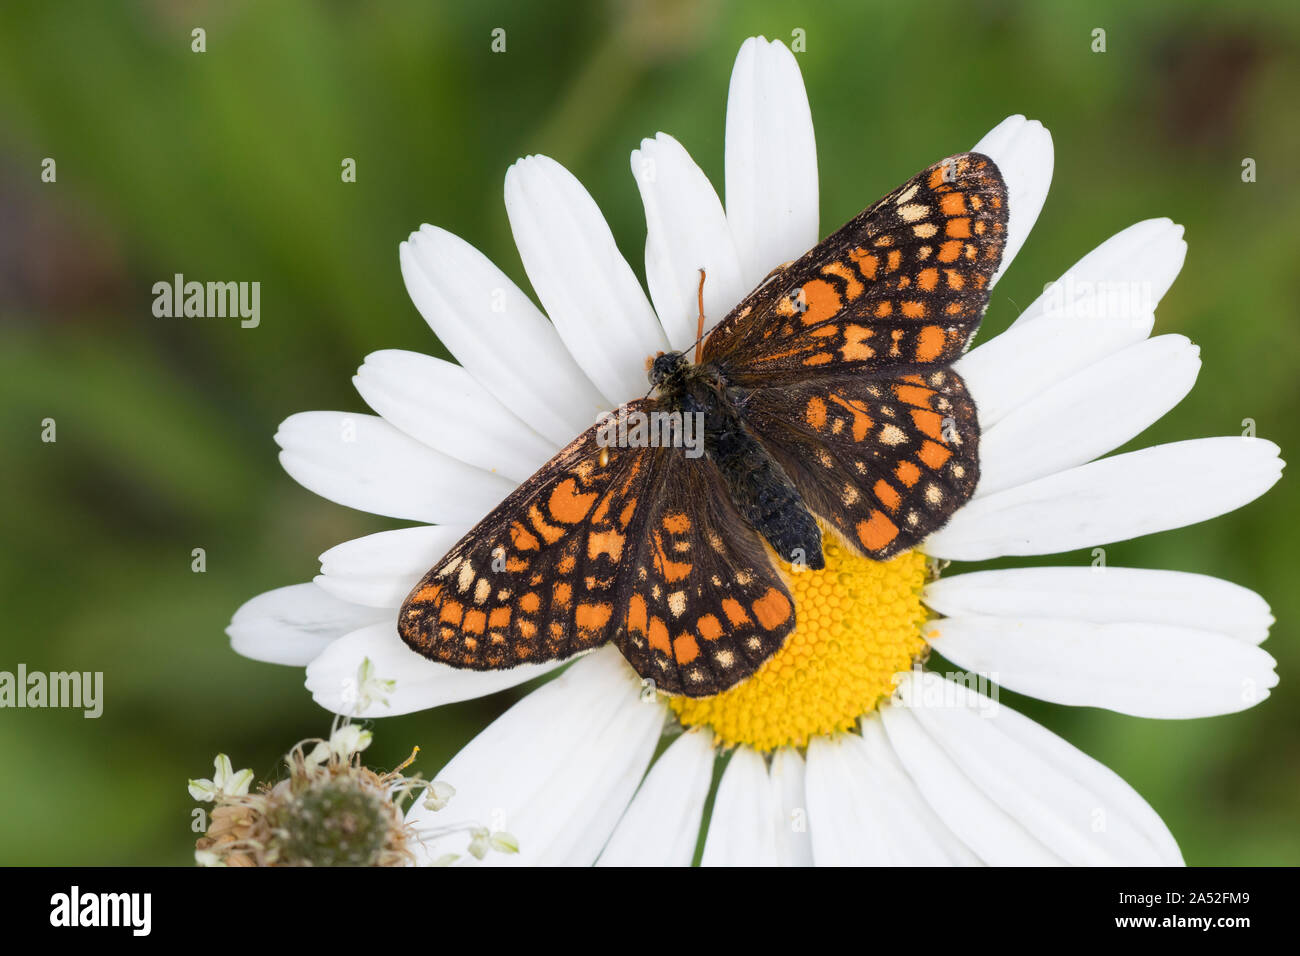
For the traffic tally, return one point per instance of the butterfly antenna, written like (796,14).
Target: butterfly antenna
(699,341)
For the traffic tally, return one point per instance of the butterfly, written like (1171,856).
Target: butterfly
(826,400)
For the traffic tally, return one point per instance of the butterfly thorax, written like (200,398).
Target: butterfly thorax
(759,488)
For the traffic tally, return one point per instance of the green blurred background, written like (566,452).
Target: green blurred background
(226,165)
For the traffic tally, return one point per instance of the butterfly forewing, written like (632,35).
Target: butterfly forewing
(843,357)
(636,545)
(537,579)
(902,284)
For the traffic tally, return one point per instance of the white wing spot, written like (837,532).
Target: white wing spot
(465,576)
(677,603)
(892,435)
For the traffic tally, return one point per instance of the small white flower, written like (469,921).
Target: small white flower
(438,795)
(348,740)
(480,842)
(504,842)
(345,741)
(225,782)
(483,841)
(934,772)
(319,754)
(370,688)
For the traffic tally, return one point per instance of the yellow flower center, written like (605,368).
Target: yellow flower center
(859,624)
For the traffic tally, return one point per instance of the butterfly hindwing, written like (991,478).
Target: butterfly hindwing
(706,606)
(883,460)
(903,284)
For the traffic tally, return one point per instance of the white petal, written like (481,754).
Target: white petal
(496,332)
(557,769)
(746,813)
(419,682)
(902,789)
(582,280)
(1106,301)
(1145,670)
(443,406)
(1129,495)
(1023,152)
(771,160)
(1088,414)
(760,815)
(995,836)
(1015,367)
(294,624)
(686,230)
(380,569)
(662,825)
(1123,278)
(363,462)
(1014,791)
(866,811)
(788,775)
(1107,595)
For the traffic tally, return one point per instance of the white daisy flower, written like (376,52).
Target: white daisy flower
(840,750)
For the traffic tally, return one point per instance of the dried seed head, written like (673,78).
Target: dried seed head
(331,811)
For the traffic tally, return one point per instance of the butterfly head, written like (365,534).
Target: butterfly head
(665,367)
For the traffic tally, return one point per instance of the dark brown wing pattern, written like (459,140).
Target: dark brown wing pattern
(883,460)
(636,545)
(534,580)
(843,357)
(706,605)
(902,285)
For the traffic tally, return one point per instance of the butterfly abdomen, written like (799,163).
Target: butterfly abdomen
(756,483)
